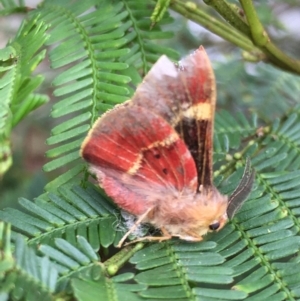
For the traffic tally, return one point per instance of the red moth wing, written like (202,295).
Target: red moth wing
(136,154)
(185,97)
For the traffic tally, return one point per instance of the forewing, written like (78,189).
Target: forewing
(185,97)
(133,152)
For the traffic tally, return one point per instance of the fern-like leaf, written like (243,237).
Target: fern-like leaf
(24,275)
(270,91)
(187,263)
(74,211)
(17,85)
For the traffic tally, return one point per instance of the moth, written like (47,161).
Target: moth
(153,154)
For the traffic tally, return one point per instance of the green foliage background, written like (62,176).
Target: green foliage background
(60,245)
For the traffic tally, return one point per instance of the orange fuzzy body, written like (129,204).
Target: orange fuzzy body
(190,222)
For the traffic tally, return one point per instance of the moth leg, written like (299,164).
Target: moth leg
(139,220)
(166,236)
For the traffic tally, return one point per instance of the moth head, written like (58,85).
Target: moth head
(218,217)
(212,213)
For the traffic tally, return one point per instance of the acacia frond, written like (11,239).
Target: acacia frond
(24,275)
(17,84)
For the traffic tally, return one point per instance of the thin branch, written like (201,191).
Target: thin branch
(260,38)
(214,25)
(231,13)
(259,35)
(114,263)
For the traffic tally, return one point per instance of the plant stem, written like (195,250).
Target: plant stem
(231,13)
(219,28)
(113,264)
(259,35)
(263,41)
